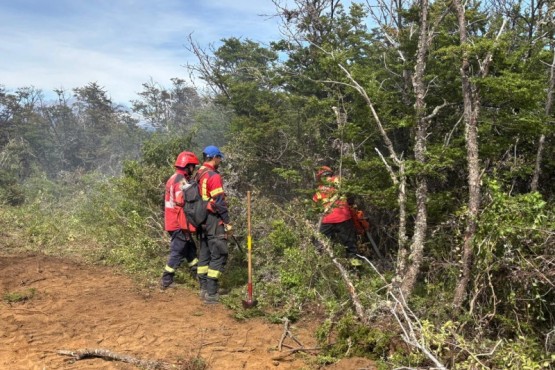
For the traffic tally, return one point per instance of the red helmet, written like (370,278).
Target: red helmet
(323,171)
(186,158)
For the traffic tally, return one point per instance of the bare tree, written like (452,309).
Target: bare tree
(541,141)
(472,105)
(415,257)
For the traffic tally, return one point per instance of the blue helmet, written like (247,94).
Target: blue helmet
(212,151)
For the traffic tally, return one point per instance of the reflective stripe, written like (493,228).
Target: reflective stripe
(215,274)
(202,270)
(169,269)
(193,262)
(216,191)
(170,204)
(331,203)
(203,190)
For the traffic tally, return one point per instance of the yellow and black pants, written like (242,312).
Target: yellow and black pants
(213,254)
(182,248)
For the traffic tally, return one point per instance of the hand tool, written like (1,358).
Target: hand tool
(250,302)
(237,243)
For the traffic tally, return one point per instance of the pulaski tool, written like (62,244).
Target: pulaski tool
(250,302)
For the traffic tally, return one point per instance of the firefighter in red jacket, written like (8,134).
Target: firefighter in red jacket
(214,232)
(182,246)
(337,220)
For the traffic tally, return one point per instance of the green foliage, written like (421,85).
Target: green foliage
(355,339)
(86,132)
(141,257)
(521,353)
(282,238)
(168,110)
(286,290)
(20,296)
(445,341)
(163,149)
(11,192)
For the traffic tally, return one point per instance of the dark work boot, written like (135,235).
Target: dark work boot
(202,283)
(193,271)
(212,296)
(167,280)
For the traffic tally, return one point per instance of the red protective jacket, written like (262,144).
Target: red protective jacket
(174,216)
(336,208)
(212,188)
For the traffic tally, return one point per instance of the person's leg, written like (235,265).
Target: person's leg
(177,247)
(203,262)
(218,259)
(346,234)
(327,229)
(190,254)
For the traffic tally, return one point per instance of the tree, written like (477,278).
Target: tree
(170,110)
(472,106)
(548,111)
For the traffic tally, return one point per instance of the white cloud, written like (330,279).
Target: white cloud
(118,44)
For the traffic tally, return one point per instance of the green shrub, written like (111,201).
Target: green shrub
(20,296)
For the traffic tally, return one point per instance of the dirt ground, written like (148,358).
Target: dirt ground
(78,306)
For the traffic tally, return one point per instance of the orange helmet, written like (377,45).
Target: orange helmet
(323,171)
(186,158)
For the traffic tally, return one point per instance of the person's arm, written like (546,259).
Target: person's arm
(220,206)
(218,197)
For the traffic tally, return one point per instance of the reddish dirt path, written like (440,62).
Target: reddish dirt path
(79,306)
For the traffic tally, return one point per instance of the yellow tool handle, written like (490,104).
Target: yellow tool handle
(249,239)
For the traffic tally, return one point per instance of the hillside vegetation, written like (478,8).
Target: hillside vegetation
(439,117)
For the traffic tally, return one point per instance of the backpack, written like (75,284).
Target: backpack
(195,207)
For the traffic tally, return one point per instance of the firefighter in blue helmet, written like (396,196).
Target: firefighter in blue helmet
(214,232)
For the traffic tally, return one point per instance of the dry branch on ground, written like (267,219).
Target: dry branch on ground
(109,355)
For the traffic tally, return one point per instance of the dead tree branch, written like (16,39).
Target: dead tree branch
(407,320)
(109,355)
(326,246)
(287,333)
(293,351)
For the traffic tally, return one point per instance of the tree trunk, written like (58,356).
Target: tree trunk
(548,107)
(472,105)
(412,269)
(471,137)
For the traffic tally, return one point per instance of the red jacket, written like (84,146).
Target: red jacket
(174,216)
(212,188)
(336,208)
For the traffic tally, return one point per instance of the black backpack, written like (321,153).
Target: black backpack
(195,207)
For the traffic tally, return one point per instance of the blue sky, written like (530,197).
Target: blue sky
(120,44)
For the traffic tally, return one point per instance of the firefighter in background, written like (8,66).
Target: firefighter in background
(182,246)
(215,231)
(337,222)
